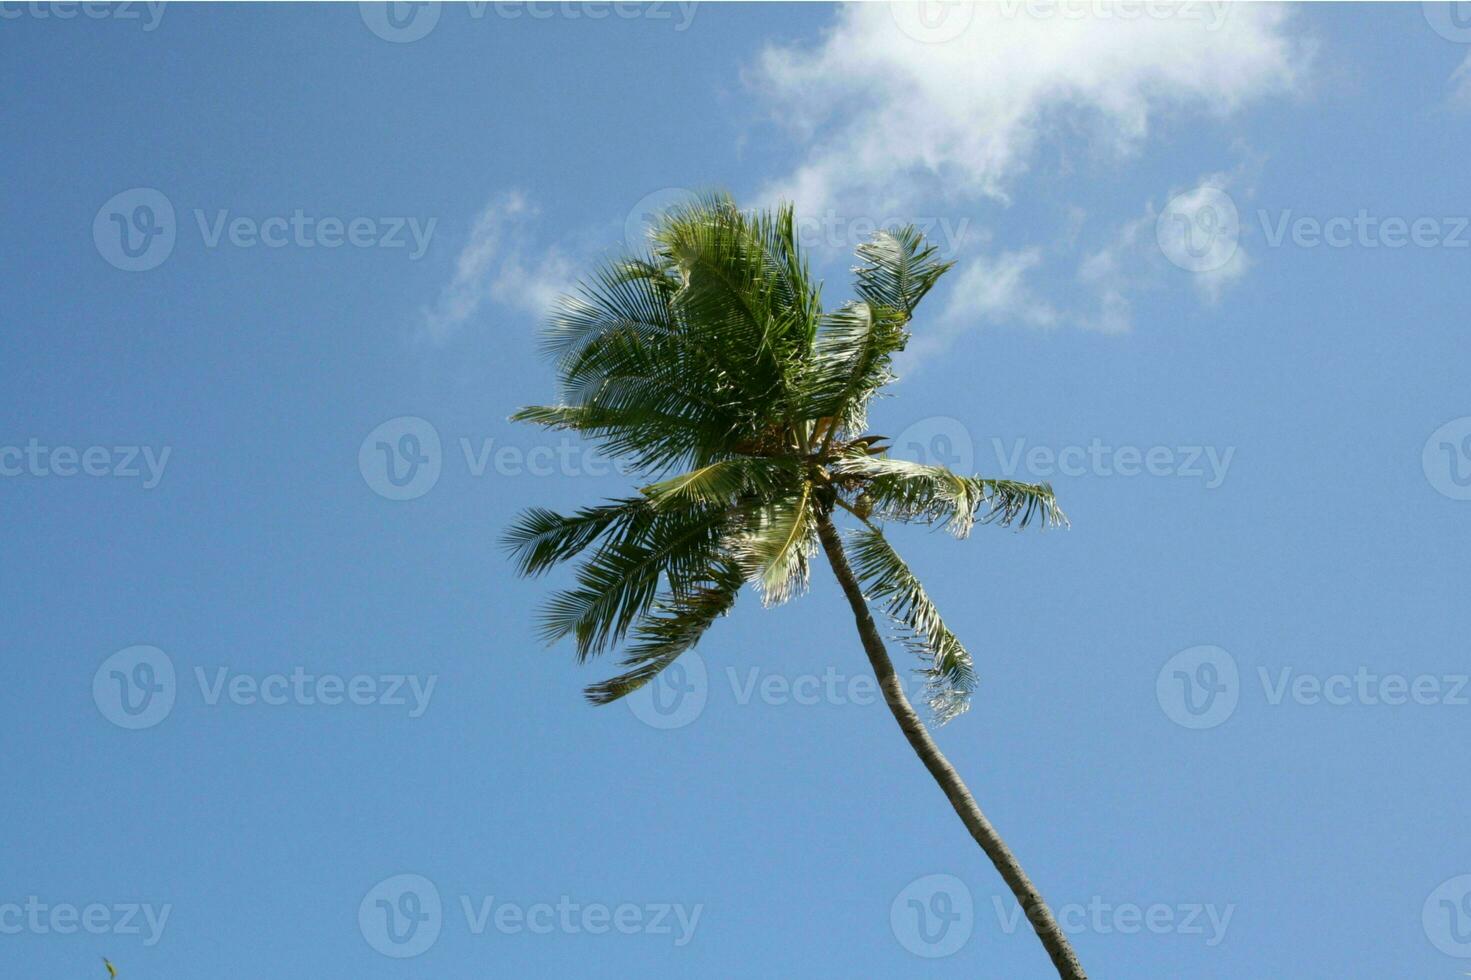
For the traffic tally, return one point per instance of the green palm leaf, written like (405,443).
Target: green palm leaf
(724,482)
(888,581)
(539,539)
(908,491)
(618,584)
(898,269)
(775,551)
(851,361)
(678,626)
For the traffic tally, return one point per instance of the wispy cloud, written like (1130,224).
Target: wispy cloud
(1461,84)
(1196,232)
(1193,232)
(995,289)
(493,266)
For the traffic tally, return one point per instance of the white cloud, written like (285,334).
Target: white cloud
(894,125)
(889,116)
(1461,83)
(1142,253)
(533,288)
(1196,233)
(985,291)
(491,266)
(1115,270)
(995,290)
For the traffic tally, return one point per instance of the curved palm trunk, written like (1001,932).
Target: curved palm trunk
(950,782)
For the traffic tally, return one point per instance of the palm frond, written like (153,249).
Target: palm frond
(851,361)
(898,269)
(774,551)
(950,676)
(618,583)
(906,491)
(539,539)
(648,439)
(661,639)
(723,482)
(743,294)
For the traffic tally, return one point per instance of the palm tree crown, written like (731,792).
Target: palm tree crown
(710,364)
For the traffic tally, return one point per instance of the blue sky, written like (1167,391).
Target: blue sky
(1210,278)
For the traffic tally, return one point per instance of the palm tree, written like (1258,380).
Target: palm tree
(710,356)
